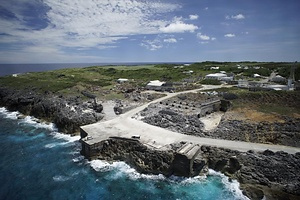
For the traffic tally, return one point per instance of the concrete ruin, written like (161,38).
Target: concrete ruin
(200,109)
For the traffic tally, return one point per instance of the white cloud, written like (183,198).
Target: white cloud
(152,45)
(193,17)
(206,8)
(229,35)
(203,37)
(178,27)
(170,40)
(237,17)
(82,24)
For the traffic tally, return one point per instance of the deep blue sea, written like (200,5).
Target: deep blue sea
(37,162)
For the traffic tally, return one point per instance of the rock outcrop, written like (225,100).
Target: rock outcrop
(67,113)
(287,133)
(274,175)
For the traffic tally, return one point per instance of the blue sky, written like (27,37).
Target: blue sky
(91,31)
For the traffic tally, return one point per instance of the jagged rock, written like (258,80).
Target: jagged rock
(67,114)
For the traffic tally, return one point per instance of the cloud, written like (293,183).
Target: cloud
(77,24)
(229,35)
(152,45)
(170,40)
(193,17)
(203,37)
(236,17)
(178,27)
(206,8)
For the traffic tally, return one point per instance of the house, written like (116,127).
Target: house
(278,79)
(243,83)
(155,85)
(256,75)
(122,80)
(215,68)
(188,72)
(216,76)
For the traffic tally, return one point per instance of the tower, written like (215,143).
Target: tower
(291,79)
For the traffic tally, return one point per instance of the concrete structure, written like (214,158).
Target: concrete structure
(201,109)
(122,80)
(155,85)
(187,161)
(243,83)
(127,125)
(256,75)
(216,76)
(278,79)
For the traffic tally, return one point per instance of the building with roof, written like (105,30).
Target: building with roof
(122,80)
(155,85)
(216,76)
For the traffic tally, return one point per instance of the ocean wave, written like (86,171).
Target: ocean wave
(121,169)
(60,178)
(8,114)
(233,186)
(36,123)
(65,137)
(27,119)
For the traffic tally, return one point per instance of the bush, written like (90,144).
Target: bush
(210,82)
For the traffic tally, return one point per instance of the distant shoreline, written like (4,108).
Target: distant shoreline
(10,69)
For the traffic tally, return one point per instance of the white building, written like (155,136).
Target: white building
(122,80)
(215,68)
(256,75)
(243,83)
(155,85)
(278,79)
(216,76)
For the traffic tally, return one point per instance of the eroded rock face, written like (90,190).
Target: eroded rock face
(174,121)
(144,159)
(68,114)
(272,174)
(287,133)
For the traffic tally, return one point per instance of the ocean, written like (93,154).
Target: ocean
(9,69)
(37,162)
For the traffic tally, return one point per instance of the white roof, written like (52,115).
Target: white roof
(122,79)
(155,83)
(216,75)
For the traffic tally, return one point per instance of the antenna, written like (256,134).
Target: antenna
(292,73)
(291,79)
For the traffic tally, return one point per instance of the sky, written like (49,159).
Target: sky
(109,31)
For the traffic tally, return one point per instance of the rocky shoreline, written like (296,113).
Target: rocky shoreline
(68,114)
(269,175)
(273,175)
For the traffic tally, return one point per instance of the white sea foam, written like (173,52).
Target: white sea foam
(78,159)
(233,186)
(7,114)
(60,178)
(35,122)
(65,137)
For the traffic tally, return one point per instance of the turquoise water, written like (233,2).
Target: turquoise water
(39,163)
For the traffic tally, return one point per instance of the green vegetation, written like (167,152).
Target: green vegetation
(210,82)
(97,79)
